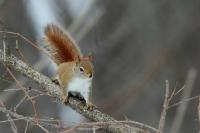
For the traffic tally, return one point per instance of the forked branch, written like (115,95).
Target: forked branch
(106,122)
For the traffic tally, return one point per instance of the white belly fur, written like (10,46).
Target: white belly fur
(81,85)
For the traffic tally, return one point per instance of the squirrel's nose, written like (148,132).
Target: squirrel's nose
(90,75)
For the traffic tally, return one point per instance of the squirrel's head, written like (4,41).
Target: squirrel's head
(84,67)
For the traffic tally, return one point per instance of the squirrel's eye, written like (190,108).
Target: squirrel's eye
(81,69)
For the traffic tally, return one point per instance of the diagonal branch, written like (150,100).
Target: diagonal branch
(78,106)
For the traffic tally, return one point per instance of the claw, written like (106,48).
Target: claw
(91,106)
(55,81)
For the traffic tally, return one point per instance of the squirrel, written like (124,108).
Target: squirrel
(75,71)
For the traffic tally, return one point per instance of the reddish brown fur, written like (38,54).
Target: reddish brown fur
(64,49)
(87,65)
(65,72)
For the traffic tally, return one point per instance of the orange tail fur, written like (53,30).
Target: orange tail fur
(64,49)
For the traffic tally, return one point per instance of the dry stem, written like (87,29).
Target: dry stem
(180,113)
(164,111)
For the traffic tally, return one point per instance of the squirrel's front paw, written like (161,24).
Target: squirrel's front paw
(91,106)
(55,81)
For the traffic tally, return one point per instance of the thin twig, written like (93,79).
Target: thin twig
(77,105)
(179,91)
(89,124)
(23,88)
(174,93)
(176,125)
(14,119)
(20,102)
(44,129)
(20,53)
(21,117)
(26,40)
(23,37)
(164,111)
(26,128)
(183,101)
(12,123)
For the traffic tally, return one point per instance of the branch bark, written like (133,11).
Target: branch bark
(55,91)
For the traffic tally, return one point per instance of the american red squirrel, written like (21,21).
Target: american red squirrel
(75,71)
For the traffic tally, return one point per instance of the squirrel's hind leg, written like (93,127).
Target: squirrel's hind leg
(56,80)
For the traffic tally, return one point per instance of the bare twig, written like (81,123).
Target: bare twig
(25,39)
(21,117)
(98,116)
(19,52)
(12,123)
(183,101)
(44,129)
(77,105)
(24,89)
(42,123)
(174,93)
(179,91)
(164,111)
(40,64)
(20,102)
(26,128)
(186,94)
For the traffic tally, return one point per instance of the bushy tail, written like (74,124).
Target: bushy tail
(63,48)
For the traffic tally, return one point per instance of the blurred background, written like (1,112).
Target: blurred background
(136,46)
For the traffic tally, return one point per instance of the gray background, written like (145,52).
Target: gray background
(136,46)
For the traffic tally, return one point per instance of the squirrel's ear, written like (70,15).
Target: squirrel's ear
(78,59)
(90,56)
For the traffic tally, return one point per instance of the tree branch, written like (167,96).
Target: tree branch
(78,106)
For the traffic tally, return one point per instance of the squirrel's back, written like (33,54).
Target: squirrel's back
(63,48)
